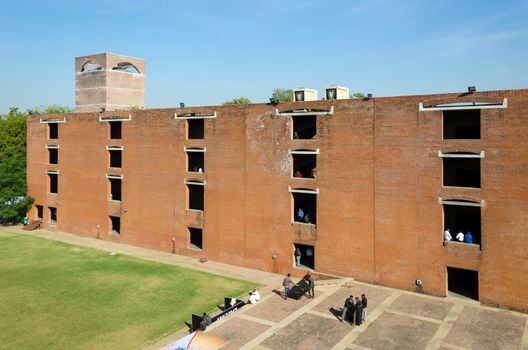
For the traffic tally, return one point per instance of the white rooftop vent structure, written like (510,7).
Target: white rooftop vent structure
(304,94)
(336,92)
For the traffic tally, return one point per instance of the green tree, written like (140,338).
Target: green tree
(241,101)
(14,201)
(282,95)
(51,109)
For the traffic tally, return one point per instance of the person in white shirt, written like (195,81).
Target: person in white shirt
(256,294)
(252,299)
(460,236)
(447,236)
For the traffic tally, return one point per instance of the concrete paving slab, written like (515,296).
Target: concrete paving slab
(237,332)
(309,331)
(390,331)
(275,308)
(482,329)
(422,306)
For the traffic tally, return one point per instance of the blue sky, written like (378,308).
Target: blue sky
(206,52)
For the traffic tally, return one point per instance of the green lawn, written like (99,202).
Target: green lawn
(58,296)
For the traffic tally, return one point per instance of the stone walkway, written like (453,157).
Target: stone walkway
(396,319)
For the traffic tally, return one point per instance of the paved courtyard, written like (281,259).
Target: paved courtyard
(396,319)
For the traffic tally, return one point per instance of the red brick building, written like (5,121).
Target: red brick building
(377,179)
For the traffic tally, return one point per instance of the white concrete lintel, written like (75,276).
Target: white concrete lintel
(481,204)
(114,148)
(197,116)
(52,121)
(56,172)
(460,155)
(116,118)
(504,104)
(194,149)
(293,151)
(195,182)
(52,146)
(299,190)
(304,112)
(114,176)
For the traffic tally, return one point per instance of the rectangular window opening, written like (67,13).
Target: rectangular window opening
(460,218)
(53,155)
(115,158)
(195,235)
(304,127)
(195,129)
(53,183)
(462,282)
(461,172)
(307,259)
(115,189)
(305,207)
(40,212)
(195,162)
(116,130)
(53,215)
(115,222)
(304,165)
(196,197)
(461,124)
(53,129)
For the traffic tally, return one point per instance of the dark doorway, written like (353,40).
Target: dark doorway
(115,221)
(53,155)
(115,130)
(462,172)
(307,255)
(307,203)
(40,212)
(53,215)
(195,161)
(304,127)
(53,130)
(115,189)
(195,237)
(463,282)
(462,124)
(304,165)
(465,218)
(196,196)
(195,129)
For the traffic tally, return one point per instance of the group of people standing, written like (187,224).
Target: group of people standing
(355,310)
(461,237)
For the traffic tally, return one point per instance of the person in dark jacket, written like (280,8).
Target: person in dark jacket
(349,306)
(359,311)
(364,304)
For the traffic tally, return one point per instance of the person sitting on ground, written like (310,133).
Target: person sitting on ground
(252,299)
(232,302)
(297,174)
(447,236)
(468,238)
(256,294)
(205,322)
(460,236)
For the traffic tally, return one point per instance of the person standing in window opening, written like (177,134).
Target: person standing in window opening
(297,174)
(447,236)
(468,238)
(295,135)
(460,236)
(297,256)
(300,214)
(307,219)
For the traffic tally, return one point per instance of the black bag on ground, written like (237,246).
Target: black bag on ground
(299,289)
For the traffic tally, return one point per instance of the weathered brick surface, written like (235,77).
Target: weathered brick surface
(378,175)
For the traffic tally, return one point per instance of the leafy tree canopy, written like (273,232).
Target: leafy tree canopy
(13,189)
(282,95)
(241,101)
